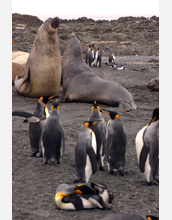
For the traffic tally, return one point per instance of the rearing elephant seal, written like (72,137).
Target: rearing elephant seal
(80,84)
(42,75)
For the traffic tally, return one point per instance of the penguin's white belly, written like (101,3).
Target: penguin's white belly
(139,142)
(139,145)
(87,204)
(62,205)
(94,143)
(88,168)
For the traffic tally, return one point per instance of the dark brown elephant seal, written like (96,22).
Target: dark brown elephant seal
(153,84)
(42,75)
(81,84)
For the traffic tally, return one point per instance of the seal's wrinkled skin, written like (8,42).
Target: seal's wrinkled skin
(42,75)
(81,84)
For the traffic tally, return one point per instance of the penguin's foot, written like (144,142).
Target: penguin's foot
(156,177)
(145,183)
(34,153)
(111,172)
(121,171)
(101,168)
(45,161)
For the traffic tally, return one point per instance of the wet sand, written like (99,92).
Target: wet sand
(34,183)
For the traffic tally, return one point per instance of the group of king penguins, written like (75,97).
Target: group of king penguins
(93,58)
(96,141)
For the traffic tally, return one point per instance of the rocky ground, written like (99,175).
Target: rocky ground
(34,183)
(124,36)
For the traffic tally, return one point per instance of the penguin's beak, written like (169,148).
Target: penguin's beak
(106,111)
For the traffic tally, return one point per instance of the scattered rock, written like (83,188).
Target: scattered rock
(132,35)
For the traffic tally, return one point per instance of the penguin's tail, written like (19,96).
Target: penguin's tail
(79,180)
(121,169)
(52,161)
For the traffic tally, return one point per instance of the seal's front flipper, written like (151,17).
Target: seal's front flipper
(22,85)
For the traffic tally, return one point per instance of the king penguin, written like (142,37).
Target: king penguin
(147,148)
(85,153)
(115,143)
(35,124)
(52,137)
(87,54)
(100,132)
(91,57)
(111,57)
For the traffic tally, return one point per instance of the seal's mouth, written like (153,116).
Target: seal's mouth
(55,22)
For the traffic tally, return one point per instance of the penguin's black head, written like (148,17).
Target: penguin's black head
(155,115)
(95,106)
(113,115)
(151,217)
(89,124)
(55,106)
(106,63)
(45,99)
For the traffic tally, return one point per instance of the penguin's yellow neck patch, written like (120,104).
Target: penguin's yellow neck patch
(46,111)
(153,119)
(60,195)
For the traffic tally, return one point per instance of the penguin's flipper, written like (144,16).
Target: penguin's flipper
(85,188)
(22,114)
(103,140)
(93,158)
(29,117)
(107,149)
(63,141)
(143,156)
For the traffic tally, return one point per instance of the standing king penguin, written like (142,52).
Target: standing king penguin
(35,124)
(147,148)
(87,54)
(85,153)
(100,132)
(52,137)
(115,143)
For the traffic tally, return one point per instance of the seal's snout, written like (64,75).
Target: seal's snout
(55,22)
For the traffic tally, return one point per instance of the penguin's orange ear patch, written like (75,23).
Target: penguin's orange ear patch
(52,106)
(149,218)
(116,116)
(86,124)
(92,108)
(41,99)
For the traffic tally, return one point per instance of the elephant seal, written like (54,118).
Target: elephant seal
(42,75)
(22,60)
(81,84)
(153,84)
(18,53)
